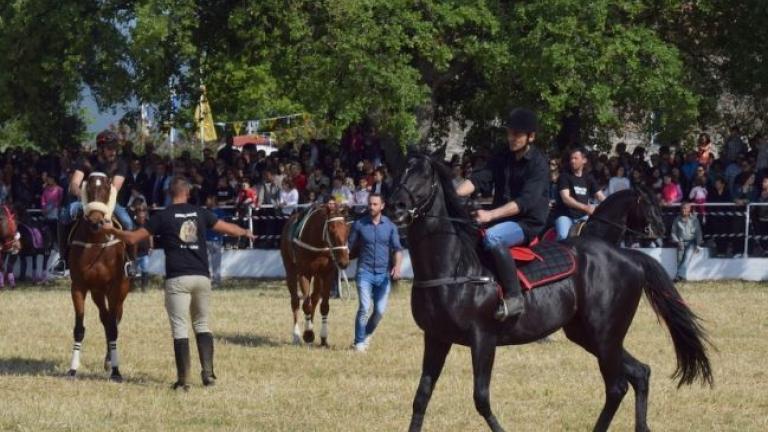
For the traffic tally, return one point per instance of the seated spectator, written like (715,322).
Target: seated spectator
(687,235)
(289,197)
(135,197)
(671,193)
(225,194)
(718,224)
(360,196)
(340,192)
(317,179)
(698,195)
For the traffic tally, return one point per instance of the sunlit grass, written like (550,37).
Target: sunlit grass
(267,384)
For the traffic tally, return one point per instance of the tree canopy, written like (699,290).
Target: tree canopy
(409,67)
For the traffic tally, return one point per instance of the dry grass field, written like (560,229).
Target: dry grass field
(265,384)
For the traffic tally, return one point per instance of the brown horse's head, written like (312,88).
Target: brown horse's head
(98,198)
(337,232)
(7,228)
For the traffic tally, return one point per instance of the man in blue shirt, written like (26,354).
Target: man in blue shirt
(375,237)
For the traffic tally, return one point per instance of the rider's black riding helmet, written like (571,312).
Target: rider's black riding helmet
(521,120)
(107,139)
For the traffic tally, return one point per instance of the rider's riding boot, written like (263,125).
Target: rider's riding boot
(512,303)
(205,349)
(130,261)
(64,231)
(181,351)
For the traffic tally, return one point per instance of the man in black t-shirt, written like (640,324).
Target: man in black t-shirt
(575,188)
(180,229)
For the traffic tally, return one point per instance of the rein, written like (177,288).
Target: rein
(641,235)
(429,283)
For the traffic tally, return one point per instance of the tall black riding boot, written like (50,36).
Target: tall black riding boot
(512,303)
(63,234)
(205,349)
(181,351)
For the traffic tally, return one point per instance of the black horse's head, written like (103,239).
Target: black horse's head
(415,189)
(645,214)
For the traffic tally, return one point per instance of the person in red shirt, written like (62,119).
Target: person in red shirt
(299,179)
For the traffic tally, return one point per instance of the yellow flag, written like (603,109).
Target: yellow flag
(206,131)
(238,126)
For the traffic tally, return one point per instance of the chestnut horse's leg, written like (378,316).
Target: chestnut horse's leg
(308,307)
(327,280)
(317,287)
(293,290)
(78,300)
(115,299)
(109,321)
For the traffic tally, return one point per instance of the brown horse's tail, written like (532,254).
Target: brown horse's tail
(688,336)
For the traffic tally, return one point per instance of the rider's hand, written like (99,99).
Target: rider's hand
(590,209)
(483,216)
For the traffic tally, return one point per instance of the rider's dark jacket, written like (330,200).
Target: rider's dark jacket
(524,181)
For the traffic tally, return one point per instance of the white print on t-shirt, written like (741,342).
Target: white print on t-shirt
(188,234)
(185,215)
(580,190)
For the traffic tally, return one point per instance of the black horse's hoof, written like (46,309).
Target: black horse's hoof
(71,374)
(324,343)
(308,336)
(116,378)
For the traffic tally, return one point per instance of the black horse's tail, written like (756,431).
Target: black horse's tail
(688,336)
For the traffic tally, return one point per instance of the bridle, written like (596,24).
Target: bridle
(419,210)
(328,244)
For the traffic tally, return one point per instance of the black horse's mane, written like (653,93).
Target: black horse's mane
(467,231)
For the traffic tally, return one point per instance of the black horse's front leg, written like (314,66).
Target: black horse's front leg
(435,352)
(483,354)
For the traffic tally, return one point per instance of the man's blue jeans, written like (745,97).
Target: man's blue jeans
(503,234)
(371,288)
(684,253)
(120,213)
(563,225)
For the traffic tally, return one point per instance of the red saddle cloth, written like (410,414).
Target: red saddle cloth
(542,263)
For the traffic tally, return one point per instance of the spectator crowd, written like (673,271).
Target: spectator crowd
(271,185)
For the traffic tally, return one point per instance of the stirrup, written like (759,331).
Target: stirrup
(130,269)
(503,312)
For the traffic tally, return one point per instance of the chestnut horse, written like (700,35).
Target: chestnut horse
(8,242)
(318,250)
(96,264)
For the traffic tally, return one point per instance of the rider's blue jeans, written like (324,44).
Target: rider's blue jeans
(563,225)
(504,234)
(120,213)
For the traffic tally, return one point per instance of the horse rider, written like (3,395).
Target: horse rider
(519,178)
(104,161)
(575,189)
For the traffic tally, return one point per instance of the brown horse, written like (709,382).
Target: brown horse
(8,241)
(96,264)
(318,250)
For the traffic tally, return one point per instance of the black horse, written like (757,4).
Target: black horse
(453,301)
(635,212)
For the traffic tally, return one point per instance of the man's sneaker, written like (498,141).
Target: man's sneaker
(510,307)
(360,347)
(367,341)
